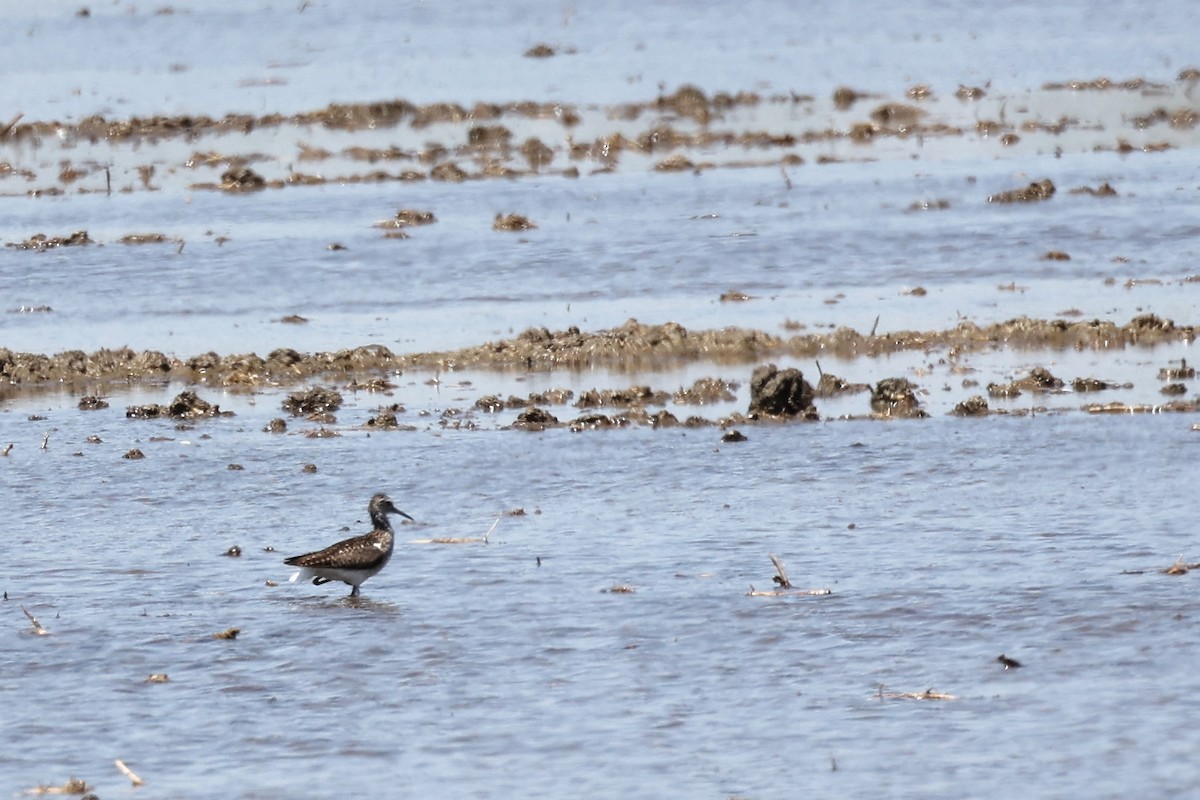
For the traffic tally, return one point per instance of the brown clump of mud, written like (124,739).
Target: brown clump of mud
(512,222)
(780,394)
(671,132)
(40,241)
(896,397)
(631,346)
(1038,190)
(186,405)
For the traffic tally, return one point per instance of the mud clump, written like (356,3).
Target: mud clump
(1040,379)
(535,419)
(536,153)
(1091,385)
(831,385)
(92,403)
(897,116)
(1181,373)
(675,163)
(844,97)
(632,344)
(706,391)
(412,216)
(186,405)
(40,241)
(540,51)
(144,238)
(1039,190)
(1103,190)
(593,422)
(277,425)
(241,179)
(974,406)
(780,394)
(1151,323)
(688,101)
(317,400)
(385,419)
(490,404)
(633,396)
(896,397)
(512,222)
(448,172)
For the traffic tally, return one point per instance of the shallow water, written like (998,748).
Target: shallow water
(511,668)
(945,543)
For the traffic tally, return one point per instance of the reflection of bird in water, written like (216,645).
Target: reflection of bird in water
(353,560)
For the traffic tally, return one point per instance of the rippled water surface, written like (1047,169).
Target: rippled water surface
(474,669)
(603,642)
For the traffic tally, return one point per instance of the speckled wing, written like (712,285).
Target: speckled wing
(361,552)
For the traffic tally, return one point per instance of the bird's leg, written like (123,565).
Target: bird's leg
(354,591)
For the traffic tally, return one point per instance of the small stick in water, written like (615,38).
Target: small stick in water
(128,773)
(781,577)
(38,628)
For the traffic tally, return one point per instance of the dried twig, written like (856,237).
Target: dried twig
(12,123)
(229,633)
(72,786)
(460,540)
(928,694)
(38,628)
(46,440)
(128,773)
(1180,567)
(781,578)
(7,449)
(787,592)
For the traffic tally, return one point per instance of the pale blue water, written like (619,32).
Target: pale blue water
(471,671)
